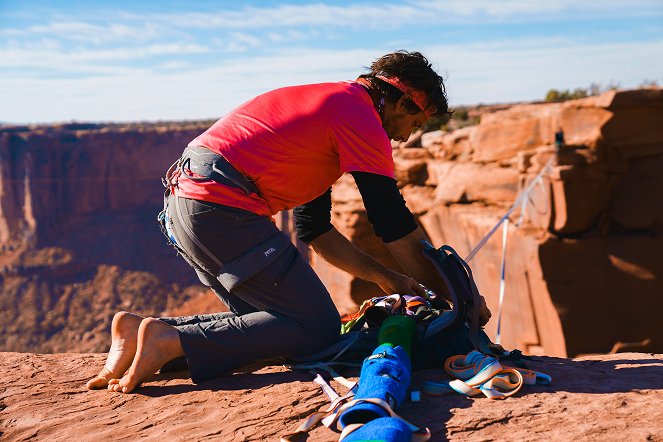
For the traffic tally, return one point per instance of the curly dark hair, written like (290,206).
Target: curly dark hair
(416,71)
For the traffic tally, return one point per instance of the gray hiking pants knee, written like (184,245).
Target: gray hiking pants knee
(283,310)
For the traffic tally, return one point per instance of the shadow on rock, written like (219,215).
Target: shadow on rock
(236,381)
(600,376)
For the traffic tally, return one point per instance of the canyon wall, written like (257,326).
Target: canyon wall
(78,233)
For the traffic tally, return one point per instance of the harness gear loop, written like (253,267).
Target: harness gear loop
(169,181)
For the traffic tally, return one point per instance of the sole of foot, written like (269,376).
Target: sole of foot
(158,343)
(124,337)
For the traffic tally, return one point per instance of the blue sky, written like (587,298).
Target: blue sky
(173,60)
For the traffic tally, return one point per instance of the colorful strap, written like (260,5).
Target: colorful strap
(479,374)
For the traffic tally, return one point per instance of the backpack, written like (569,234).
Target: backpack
(444,328)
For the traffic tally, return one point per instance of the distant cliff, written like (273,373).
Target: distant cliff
(78,233)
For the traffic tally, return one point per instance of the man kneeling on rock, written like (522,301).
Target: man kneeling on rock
(280,150)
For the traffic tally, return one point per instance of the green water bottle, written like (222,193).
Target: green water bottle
(398,330)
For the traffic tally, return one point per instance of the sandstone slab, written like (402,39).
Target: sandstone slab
(42,397)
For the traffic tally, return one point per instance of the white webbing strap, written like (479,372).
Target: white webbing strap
(327,366)
(479,374)
(330,415)
(328,389)
(418,434)
(315,418)
(505,232)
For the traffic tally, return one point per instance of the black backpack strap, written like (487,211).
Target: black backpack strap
(474,320)
(457,275)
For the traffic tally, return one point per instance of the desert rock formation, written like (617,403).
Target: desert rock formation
(78,233)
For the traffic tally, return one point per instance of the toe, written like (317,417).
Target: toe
(96,383)
(126,385)
(113,384)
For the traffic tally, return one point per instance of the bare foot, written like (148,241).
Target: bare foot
(124,334)
(158,343)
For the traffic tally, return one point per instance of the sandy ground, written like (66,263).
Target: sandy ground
(42,397)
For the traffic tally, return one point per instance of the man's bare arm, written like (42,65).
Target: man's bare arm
(340,252)
(408,252)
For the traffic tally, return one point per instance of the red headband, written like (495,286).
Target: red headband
(419,97)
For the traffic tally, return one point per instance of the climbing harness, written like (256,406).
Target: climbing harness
(373,311)
(478,374)
(207,165)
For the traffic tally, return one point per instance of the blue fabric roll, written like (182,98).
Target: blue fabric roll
(385,375)
(387,429)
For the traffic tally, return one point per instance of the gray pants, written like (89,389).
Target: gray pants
(283,310)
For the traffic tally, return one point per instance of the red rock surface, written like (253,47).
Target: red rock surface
(42,397)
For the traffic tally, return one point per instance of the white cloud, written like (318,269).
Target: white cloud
(88,60)
(89,32)
(237,42)
(526,70)
(386,15)
(475,10)
(493,72)
(248,50)
(125,26)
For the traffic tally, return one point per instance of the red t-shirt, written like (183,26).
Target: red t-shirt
(294,143)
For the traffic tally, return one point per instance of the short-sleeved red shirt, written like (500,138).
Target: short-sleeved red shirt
(294,143)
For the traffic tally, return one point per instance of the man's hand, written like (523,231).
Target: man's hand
(338,251)
(393,282)
(407,252)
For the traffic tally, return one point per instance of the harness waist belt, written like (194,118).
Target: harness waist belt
(212,166)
